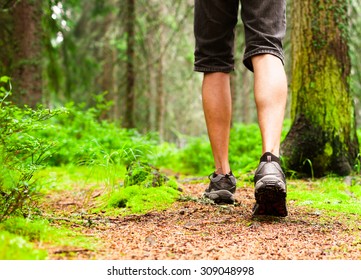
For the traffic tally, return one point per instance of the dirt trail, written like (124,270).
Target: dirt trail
(191,230)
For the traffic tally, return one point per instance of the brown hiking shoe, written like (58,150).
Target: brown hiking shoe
(270,188)
(221,188)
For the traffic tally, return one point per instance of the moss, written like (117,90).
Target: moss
(320,92)
(141,173)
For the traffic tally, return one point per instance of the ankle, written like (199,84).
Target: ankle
(267,155)
(221,171)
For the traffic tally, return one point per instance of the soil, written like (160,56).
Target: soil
(192,230)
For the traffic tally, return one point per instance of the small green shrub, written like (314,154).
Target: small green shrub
(22,153)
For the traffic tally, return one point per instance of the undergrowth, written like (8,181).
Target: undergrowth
(43,150)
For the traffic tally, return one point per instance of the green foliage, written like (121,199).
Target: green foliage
(22,152)
(13,247)
(84,139)
(195,157)
(245,149)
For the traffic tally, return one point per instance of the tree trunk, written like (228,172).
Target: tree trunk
(322,138)
(160,106)
(130,88)
(27,64)
(160,99)
(108,57)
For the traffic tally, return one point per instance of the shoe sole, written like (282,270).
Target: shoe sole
(270,197)
(220,196)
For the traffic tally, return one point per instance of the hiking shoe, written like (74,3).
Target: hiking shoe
(270,187)
(221,188)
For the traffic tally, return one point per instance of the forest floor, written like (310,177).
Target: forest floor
(192,230)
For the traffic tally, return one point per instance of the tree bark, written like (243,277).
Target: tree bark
(108,57)
(322,138)
(130,88)
(160,106)
(27,62)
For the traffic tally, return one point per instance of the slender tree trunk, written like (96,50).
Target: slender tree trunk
(27,64)
(130,88)
(160,99)
(323,137)
(108,57)
(6,46)
(160,112)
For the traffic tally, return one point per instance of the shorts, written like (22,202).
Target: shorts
(214,23)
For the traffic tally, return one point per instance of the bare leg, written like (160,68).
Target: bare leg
(270,89)
(216,94)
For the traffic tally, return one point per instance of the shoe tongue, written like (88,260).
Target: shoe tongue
(268,157)
(217,177)
(214,175)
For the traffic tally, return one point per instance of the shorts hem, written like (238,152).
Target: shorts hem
(247,62)
(212,69)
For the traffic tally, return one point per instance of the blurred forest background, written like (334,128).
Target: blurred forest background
(101,95)
(137,55)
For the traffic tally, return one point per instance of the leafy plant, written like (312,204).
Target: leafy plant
(21,152)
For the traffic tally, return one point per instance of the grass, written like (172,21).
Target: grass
(331,194)
(19,238)
(14,247)
(66,177)
(139,199)
(116,199)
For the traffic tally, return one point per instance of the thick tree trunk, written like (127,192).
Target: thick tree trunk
(27,64)
(322,138)
(130,88)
